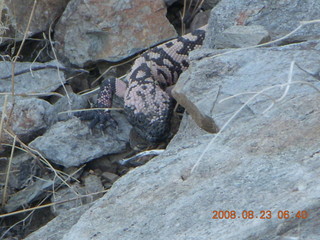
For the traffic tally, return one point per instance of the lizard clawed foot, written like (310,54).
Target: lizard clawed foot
(99,118)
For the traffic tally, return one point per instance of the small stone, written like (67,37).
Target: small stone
(77,194)
(63,105)
(242,36)
(111,177)
(30,117)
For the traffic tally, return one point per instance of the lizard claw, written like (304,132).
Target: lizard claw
(103,119)
(98,118)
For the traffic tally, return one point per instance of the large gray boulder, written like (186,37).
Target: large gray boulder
(230,80)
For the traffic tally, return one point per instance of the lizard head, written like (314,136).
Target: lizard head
(149,110)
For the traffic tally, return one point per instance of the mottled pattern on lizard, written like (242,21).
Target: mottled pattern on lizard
(146,103)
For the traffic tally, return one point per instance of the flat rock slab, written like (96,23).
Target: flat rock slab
(71,143)
(32,82)
(251,80)
(278,17)
(110,30)
(30,194)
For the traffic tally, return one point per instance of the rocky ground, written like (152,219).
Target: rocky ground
(244,163)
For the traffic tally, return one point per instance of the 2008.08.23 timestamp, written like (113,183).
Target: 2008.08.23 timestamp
(264,214)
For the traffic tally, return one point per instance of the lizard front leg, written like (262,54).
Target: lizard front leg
(100,117)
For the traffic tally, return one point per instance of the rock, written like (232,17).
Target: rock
(42,81)
(242,36)
(104,164)
(110,177)
(29,118)
(195,106)
(31,193)
(209,4)
(75,194)
(60,225)
(23,170)
(271,65)
(16,16)
(92,184)
(260,163)
(70,143)
(264,159)
(200,20)
(170,2)
(278,17)
(112,31)
(71,102)
(71,195)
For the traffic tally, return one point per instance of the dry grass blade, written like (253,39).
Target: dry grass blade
(40,206)
(183,15)
(1,7)
(2,27)
(38,68)
(113,66)
(91,109)
(39,94)
(4,192)
(49,204)
(192,13)
(286,88)
(58,68)
(13,225)
(3,115)
(20,48)
(197,8)
(41,50)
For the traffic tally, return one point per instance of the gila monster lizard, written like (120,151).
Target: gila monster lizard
(146,103)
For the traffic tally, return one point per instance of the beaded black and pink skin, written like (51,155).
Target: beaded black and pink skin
(146,103)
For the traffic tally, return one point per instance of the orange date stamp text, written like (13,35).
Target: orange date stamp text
(264,214)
